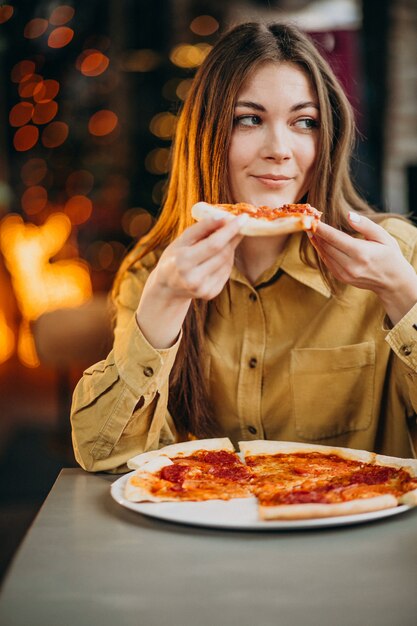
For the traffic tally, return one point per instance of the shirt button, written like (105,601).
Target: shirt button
(148,371)
(253,297)
(253,362)
(252,430)
(406,350)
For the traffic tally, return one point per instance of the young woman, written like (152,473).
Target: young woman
(285,337)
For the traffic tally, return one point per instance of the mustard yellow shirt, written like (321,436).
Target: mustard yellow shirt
(286,361)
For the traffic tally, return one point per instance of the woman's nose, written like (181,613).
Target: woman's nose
(276,145)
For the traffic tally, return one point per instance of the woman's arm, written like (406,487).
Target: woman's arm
(196,265)
(119,406)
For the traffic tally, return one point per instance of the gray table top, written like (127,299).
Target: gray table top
(86,561)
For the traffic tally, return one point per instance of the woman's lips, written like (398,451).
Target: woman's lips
(273,182)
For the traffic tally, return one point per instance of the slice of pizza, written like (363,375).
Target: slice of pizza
(304,481)
(263,220)
(199,470)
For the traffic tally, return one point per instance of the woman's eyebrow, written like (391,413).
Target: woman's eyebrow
(259,107)
(250,105)
(305,105)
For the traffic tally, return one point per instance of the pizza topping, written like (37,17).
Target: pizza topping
(267,213)
(278,480)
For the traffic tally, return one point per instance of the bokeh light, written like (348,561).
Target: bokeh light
(25,138)
(79,182)
(28,85)
(163,125)
(33,171)
(22,70)
(156,161)
(60,37)
(92,63)
(79,209)
(188,56)
(183,88)
(44,112)
(102,123)
(35,28)
(34,199)
(61,15)
(204,25)
(21,114)
(136,222)
(55,134)
(45,91)
(6,12)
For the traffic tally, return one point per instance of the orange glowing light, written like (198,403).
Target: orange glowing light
(60,37)
(39,284)
(79,183)
(21,114)
(204,25)
(102,123)
(44,112)
(93,63)
(163,125)
(7,340)
(35,28)
(33,171)
(34,199)
(45,91)
(6,12)
(187,55)
(61,15)
(55,134)
(26,346)
(28,85)
(25,138)
(22,70)
(79,209)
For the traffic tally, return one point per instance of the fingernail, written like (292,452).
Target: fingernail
(309,234)
(354,217)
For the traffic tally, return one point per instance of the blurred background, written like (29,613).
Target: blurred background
(90,93)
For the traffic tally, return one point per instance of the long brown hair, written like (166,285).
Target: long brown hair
(199,172)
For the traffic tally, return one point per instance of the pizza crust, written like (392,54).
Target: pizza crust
(185,448)
(310,511)
(253,448)
(255,227)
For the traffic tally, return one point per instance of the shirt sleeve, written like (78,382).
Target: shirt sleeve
(119,406)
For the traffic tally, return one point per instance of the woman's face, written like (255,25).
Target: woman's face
(275,137)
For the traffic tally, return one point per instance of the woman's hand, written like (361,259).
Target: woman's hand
(375,263)
(196,265)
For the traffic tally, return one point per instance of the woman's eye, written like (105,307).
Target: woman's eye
(247,120)
(307,123)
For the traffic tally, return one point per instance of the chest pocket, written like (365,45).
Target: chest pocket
(332,389)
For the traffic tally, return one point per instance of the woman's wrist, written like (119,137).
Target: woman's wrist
(160,317)
(398,300)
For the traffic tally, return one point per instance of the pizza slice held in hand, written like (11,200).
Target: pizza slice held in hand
(263,220)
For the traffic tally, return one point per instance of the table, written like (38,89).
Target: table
(88,561)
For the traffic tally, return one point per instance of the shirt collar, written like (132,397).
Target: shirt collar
(290,262)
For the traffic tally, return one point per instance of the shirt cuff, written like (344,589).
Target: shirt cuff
(143,367)
(403,338)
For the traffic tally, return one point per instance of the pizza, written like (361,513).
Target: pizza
(289,480)
(263,220)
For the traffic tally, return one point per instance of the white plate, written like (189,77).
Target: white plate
(237,514)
